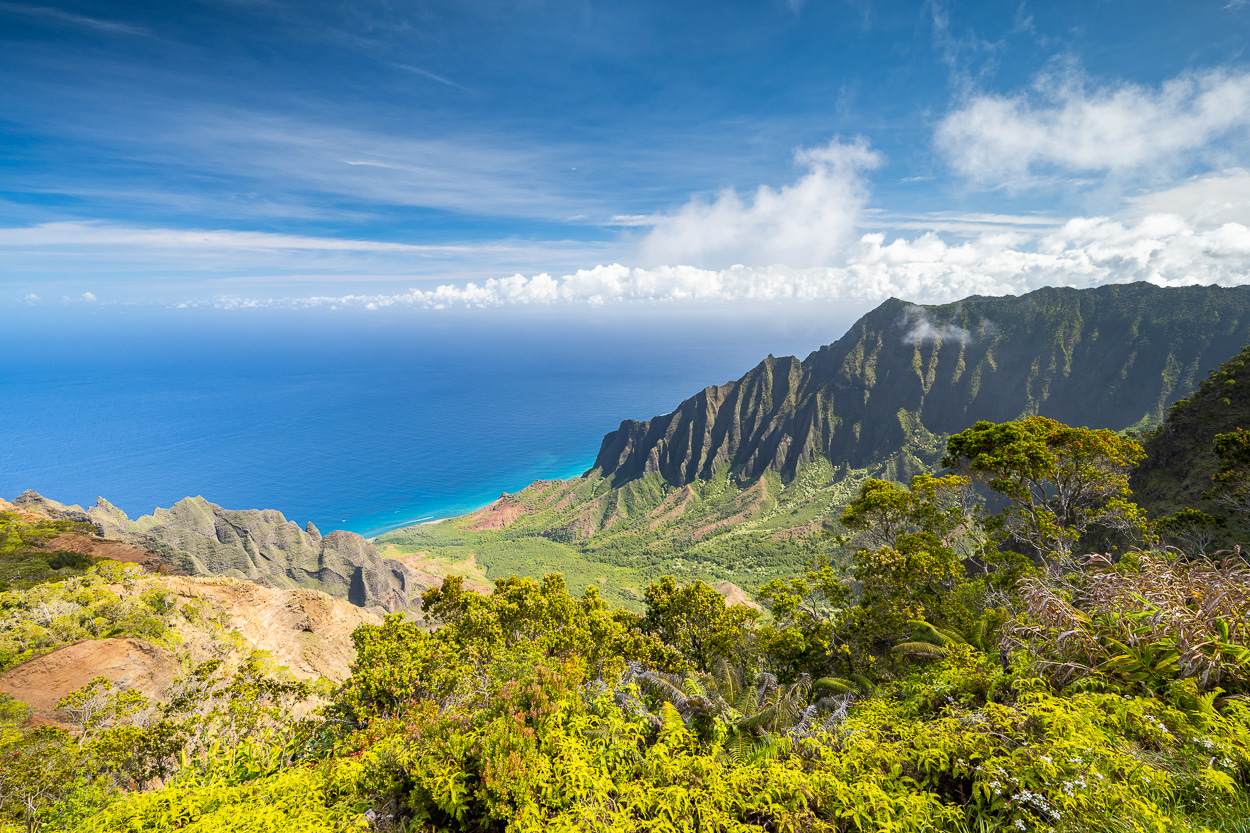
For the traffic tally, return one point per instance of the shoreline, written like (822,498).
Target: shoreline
(422,522)
(438,519)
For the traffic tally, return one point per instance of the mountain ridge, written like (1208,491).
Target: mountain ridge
(200,538)
(906,373)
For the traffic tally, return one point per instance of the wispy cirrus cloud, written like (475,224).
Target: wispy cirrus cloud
(425,73)
(97,235)
(1065,125)
(61,16)
(159,263)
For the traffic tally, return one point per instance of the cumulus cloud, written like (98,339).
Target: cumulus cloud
(1163,249)
(1066,125)
(805,223)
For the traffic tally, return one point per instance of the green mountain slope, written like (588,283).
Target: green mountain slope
(733,484)
(1180,459)
(1114,356)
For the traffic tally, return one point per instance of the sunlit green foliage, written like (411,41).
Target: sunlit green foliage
(86,606)
(1062,482)
(24,558)
(944,683)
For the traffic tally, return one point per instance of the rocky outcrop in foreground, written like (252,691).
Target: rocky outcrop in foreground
(199,538)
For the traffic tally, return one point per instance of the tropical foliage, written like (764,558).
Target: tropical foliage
(966,670)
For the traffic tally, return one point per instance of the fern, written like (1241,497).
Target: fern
(923,650)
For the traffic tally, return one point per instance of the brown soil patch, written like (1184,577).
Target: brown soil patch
(25,514)
(498,515)
(112,550)
(753,498)
(128,663)
(306,630)
(672,508)
(735,595)
(618,512)
(433,572)
(804,531)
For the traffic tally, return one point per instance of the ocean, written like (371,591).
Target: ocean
(351,420)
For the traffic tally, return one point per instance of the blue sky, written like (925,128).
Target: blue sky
(244,153)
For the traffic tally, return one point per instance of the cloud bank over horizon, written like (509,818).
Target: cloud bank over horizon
(1162,249)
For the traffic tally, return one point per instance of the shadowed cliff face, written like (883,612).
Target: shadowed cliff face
(1180,454)
(203,539)
(906,376)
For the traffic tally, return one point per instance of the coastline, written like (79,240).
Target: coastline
(439,518)
(423,522)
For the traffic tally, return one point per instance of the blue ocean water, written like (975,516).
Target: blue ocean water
(351,421)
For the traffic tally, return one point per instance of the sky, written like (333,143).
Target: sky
(563,154)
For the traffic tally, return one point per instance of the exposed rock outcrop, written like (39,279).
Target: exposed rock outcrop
(202,539)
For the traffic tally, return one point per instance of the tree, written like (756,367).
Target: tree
(694,619)
(914,543)
(1232,481)
(1060,482)
(805,614)
(37,767)
(98,704)
(941,513)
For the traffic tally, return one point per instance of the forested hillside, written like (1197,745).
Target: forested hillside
(967,670)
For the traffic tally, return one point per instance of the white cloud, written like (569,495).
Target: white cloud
(1068,127)
(97,235)
(1212,199)
(76,19)
(1088,251)
(805,223)
(425,73)
(89,297)
(32,298)
(922,330)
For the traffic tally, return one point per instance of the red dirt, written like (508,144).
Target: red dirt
(112,550)
(498,515)
(756,501)
(734,595)
(673,507)
(128,663)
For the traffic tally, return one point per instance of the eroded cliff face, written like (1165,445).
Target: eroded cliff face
(906,376)
(199,538)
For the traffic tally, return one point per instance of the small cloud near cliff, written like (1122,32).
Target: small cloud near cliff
(921,330)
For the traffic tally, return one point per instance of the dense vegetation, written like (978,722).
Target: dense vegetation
(1181,456)
(710,530)
(53,598)
(966,670)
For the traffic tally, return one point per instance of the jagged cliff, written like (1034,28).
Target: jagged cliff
(202,539)
(905,376)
